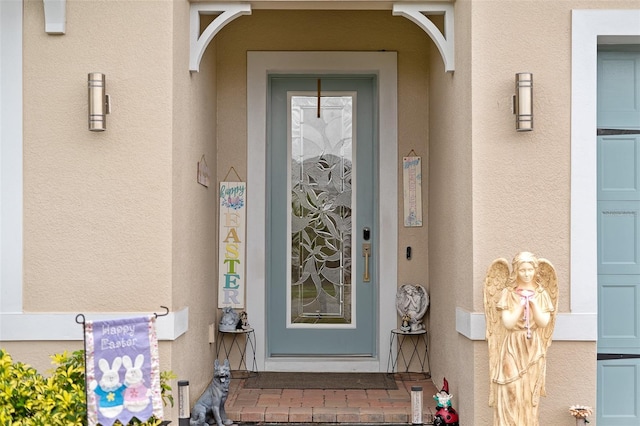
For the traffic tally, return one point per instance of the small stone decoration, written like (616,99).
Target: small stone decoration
(229,319)
(243,323)
(581,412)
(405,323)
(412,302)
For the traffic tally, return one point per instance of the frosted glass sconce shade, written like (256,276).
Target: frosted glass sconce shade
(523,102)
(98,102)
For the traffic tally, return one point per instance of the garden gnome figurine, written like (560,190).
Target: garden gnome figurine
(445,414)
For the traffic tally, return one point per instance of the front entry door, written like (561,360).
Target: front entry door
(321,180)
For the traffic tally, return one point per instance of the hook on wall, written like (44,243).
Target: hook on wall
(165,313)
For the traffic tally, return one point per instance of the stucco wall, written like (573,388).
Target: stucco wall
(97,206)
(521,185)
(521,181)
(450,221)
(115,221)
(194,208)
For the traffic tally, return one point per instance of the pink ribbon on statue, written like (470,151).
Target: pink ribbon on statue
(526,296)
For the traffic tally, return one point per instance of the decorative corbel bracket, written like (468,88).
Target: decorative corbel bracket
(198,43)
(418,13)
(55,16)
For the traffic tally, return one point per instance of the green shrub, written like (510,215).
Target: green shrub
(27,398)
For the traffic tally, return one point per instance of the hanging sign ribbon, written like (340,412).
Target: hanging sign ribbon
(525,297)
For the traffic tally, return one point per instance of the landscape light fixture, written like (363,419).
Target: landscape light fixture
(523,102)
(99,104)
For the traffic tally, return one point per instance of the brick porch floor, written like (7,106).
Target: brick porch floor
(330,405)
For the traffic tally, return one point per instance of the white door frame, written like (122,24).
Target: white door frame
(259,65)
(589,28)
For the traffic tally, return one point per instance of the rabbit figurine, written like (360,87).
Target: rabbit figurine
(137,395)
(109,390)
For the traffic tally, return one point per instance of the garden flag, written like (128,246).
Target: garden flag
(123,372)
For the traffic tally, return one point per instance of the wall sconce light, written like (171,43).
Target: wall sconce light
(99,103)
(523,102)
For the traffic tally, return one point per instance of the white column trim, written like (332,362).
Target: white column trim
(198,43)
(63,326)
(587,26)
(11,172)
(55,16)
(569,326)
(415,12)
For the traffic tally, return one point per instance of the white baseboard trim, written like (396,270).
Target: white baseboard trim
(63,326)
(569,326)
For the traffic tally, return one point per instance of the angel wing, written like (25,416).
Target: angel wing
(400,296)
(424,299)
(549,280)
(495,281)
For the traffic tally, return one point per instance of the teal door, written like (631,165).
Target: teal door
(321,181)
(618,238)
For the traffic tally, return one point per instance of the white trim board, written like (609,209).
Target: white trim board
(569,327)
(11,157)
(587,26)
(63,326)
(55,16)
(259,65)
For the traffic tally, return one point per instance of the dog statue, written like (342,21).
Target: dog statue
(209,409)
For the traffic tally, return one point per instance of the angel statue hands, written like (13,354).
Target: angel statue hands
(520,307)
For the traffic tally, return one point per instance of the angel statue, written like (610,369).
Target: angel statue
(412,302)
(520,308)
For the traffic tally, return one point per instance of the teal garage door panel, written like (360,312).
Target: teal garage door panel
(618,237)
(618,90)
(619,327)
(619,167)
(619,392)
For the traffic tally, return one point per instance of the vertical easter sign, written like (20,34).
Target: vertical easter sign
(412,184)
(232,229)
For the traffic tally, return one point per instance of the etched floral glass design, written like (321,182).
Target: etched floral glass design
(321,209)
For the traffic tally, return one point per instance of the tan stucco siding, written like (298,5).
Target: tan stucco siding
(521,181)
(451,215)
(194,218)
(97,221)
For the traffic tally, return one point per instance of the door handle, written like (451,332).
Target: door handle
(366,252)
